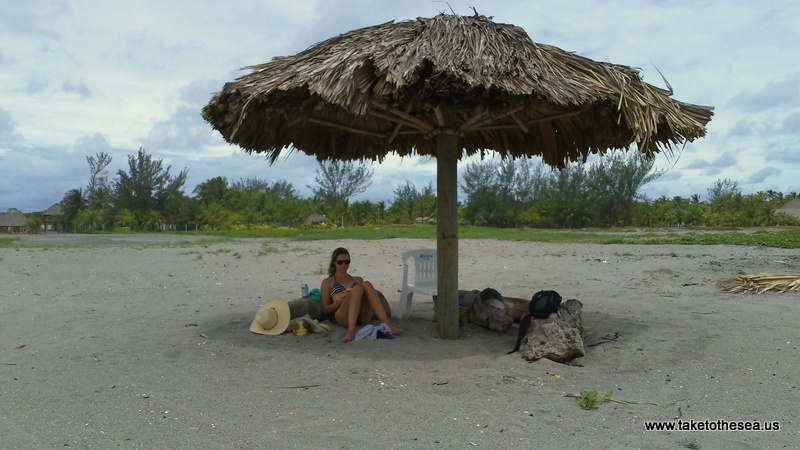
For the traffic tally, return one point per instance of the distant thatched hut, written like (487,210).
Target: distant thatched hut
(316,219)
(13,222)
(791,208)
(52,218)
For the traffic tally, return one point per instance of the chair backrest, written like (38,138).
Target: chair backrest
(424,266)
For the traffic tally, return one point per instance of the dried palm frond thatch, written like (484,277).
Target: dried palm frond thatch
(792,208)
(760,283)
(13,219)
(387,88)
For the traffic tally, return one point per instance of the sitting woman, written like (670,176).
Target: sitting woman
(350,299)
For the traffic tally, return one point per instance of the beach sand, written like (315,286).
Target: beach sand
(129,342)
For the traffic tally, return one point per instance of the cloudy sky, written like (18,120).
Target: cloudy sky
(82,77)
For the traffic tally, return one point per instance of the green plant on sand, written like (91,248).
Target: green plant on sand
(591,399)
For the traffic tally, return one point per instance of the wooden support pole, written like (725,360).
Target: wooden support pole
(447,153)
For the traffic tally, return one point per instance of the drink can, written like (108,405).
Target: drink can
(304,290)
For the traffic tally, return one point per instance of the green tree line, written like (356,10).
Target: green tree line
(509,193)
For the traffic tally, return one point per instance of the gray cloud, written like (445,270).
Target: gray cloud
(8,129)
(762,175)
(760,125)
(79,88)
(790,124)
(141,50)
(29,18)
(23,189)
(198,92)
(772,95)
(185,130)
(742,128)
(788,152)
(33,86)
(714,166)
(91,145)
(7,62)
(670,176)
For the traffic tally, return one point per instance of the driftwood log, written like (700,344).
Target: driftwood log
(518,307)
(514,307)
(299,307)
(490,313)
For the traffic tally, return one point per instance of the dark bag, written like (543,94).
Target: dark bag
(541,306)
(524,323)
(490,293)
(544,303)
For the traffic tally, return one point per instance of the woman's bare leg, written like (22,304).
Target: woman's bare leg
(342,316)
(353,311)
(377,307)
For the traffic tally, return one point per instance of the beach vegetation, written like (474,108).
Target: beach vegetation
(592,399)
(147,185)
(267,248)
(597,201)
(197,254)
(98,190)
(337,181)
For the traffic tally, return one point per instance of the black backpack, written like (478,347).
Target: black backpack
(541,306)
(544,303)
(490,293)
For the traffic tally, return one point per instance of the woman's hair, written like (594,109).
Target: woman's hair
(332,264)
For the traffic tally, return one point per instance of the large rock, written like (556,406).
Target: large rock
(558,338)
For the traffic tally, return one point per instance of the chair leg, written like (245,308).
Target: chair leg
(405,304)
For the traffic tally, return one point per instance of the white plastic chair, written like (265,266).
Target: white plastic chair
(424,277)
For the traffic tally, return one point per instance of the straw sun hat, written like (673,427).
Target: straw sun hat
(272,318)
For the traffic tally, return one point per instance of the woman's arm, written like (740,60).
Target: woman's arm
(328,305)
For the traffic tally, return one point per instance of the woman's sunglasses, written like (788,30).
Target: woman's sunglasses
(343,261)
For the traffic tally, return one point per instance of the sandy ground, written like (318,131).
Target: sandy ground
(136,342)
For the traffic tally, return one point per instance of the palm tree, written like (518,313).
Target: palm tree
(89,218)
(72,203)
(213,190)
(679,205)
(151,218)
(213,215)
(125,218)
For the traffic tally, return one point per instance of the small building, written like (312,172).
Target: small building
(13,222)
(52,218)
(316,219)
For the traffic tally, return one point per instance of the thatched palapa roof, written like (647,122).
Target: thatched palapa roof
(55,210)
(379,89)
(317,219)
(793,208)
(13,219)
